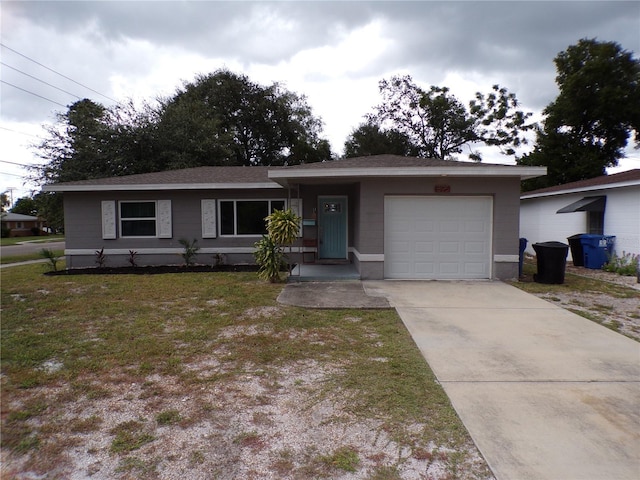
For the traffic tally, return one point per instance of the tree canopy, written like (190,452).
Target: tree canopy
(588,126)
(25,206)
(437,125)
(370,139)
(219,119)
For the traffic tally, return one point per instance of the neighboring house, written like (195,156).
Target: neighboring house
(606,205)
(391,216)
(21,225)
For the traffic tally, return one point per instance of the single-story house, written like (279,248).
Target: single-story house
(21,225)
(391,216)
(606,205)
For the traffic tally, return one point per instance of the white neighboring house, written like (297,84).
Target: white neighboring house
(606,205)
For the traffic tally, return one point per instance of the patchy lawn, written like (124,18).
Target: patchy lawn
(603,297)
(204,375)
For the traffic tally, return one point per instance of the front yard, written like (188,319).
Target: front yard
(205,376)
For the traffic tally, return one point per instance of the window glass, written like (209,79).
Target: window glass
(250,217)
(227,218)
(138,219)
(246,217)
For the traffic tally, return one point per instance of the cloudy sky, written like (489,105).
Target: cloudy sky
(333,52)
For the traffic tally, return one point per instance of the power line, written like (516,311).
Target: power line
(21,133)
(58,73)
(41,81)
(16,163)
(34,94)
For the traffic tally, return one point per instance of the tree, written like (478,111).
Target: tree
(26,206)
(225,119)
(588,126)
(51,209)
(370,139)
(438,125)
(5,202)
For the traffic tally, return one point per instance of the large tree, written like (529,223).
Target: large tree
(25,206)
(438,125)
(226,119)
(588,126)
(370,139)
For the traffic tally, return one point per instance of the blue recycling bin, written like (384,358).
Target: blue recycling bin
(597,249)
(523,247)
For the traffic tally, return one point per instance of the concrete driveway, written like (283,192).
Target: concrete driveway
(545,393)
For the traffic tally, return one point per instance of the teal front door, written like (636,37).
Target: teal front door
(332,224)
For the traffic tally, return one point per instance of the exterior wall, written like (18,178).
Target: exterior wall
(506,205)
(22,228)
(539,221)
(83,229)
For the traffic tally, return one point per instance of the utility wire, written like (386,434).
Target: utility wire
(21,133)
(16,163)
(41,81)
(34,94)
(57,73)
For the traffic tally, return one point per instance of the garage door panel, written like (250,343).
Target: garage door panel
(438,237)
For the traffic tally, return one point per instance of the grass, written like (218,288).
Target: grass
(43,239)
(104,333)
(31,256)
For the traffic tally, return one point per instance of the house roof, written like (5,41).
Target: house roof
(212,178)
(398,166)
(185,179)
(615,180)
(17,217)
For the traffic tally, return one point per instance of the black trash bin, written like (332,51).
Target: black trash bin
(552,261)
(523,247)
(577,252)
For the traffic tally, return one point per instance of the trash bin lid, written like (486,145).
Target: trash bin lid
(576,236)
(551,245)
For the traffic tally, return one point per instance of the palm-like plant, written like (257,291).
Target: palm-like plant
(282,230)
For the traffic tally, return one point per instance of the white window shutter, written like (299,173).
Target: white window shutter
(164,219)
(295,204)
(108,219)
(208,211)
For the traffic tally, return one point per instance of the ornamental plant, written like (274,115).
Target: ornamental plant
(282,230)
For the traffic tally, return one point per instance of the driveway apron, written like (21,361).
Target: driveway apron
(544,393)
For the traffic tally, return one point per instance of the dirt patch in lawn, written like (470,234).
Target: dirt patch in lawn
(604,297)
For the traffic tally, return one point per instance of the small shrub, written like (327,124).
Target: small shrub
(626,265)
(132,258)
(344,458)
(190,251)
(218,259)
(51,257)
(101,258)
(5,232)
(269,256)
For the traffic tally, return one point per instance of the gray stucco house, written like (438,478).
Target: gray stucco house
(391,216)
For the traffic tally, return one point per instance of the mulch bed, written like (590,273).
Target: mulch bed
(155,269)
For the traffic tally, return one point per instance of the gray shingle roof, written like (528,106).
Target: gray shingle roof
(622,177)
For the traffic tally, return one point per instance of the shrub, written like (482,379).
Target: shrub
(190,251)
(626,265)
(282,230)
(101,258)
(51,257)
(132,258)
(5,232)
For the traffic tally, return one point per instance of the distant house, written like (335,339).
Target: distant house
(21,225)
(606,205)
(390,216)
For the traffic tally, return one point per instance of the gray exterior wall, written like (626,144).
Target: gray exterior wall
(506,204)
(83,228)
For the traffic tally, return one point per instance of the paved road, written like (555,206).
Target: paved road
(27,248)
(544,393)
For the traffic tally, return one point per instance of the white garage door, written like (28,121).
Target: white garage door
(437,237)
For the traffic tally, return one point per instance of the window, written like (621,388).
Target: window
(246,217)
(595,223)
(138,219)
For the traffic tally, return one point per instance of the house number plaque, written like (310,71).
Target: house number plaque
(443,189)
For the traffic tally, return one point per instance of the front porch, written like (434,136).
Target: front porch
(323,272)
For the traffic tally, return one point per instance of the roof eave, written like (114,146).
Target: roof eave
(524,173)
(593,188)
(154,187)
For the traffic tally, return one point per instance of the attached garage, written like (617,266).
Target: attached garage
(438,238)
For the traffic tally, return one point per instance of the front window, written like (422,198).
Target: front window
(138,219)
(246,217)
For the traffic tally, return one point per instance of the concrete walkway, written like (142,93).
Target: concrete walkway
(545,394)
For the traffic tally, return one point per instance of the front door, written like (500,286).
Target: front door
(332,224)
